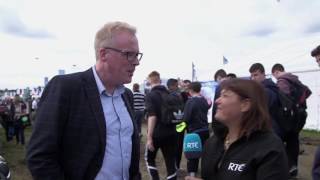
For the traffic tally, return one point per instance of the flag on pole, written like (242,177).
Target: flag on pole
(193,72)
(225,60)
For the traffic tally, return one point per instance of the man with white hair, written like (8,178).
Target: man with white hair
(84,128)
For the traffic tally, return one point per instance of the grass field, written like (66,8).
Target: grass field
(15,155)
(311,134)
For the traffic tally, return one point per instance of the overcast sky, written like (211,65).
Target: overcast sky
(39,37)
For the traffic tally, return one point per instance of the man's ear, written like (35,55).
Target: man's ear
(245,105)
(103,54)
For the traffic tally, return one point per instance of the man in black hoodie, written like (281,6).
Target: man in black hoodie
(258,74)
(159,134)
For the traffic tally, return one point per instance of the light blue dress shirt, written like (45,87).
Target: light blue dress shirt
(117,156)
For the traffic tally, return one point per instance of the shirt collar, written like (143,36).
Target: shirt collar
(102,90)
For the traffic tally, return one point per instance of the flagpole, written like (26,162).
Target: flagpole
(193,71)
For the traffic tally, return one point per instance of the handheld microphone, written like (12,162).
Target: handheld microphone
(192,146)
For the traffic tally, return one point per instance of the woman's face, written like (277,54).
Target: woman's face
(230,108)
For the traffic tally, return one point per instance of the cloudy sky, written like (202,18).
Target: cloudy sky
(39,37)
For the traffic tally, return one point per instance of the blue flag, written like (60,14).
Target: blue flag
(225,60)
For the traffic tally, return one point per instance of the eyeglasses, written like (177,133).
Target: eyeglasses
(131,56)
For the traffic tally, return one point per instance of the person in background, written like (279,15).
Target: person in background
(196,117)
(84,128)
(316,163)
(248,150)
(288,84)
(19,110)
(6,118)
(159,135)
(34,107)
(184,90)
(258,74)
(316,54)
(138,104)
(173,88)
(219,77)
(34,104)
(231,76)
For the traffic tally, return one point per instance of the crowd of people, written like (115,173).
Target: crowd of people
(16,114)
(88,124)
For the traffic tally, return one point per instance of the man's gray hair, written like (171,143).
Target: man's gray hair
(105,34)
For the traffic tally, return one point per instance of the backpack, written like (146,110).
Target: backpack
(286,112)
(171,107)
(298,96)
(299,93)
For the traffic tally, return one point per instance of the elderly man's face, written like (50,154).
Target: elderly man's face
(119,67)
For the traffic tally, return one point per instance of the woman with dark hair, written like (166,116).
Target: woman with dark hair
(248,150)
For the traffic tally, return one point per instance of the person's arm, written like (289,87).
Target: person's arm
(43,151)
(152,120)
(274,166)
(187,111)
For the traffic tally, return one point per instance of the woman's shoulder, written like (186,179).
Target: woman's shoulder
(266,139)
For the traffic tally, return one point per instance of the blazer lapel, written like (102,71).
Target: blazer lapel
(95,103)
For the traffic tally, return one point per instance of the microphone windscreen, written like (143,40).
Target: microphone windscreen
(192,146)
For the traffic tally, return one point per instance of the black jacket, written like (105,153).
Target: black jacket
(153,108)
(69,136)
(271,90)
(196,113)
(261,156)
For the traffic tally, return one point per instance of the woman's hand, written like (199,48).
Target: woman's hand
(191,178)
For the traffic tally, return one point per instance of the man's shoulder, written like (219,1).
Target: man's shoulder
(72,79)
(267,140)
(66,83)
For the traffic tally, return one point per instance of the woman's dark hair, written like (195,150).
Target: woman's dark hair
(195,86)
(257,117)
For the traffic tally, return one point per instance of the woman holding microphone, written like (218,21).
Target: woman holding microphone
(248,150)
